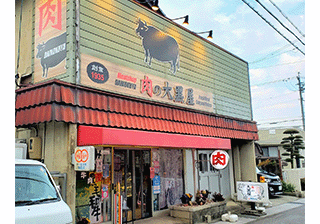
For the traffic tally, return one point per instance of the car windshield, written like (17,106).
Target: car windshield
(259,169)
(33,185)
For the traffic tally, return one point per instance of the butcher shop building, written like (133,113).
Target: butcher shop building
(120,101)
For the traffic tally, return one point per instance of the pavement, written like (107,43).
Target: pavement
(284,203)
(278,204)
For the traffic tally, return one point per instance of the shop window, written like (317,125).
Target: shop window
(203,161)
(170,170)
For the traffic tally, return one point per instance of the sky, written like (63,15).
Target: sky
(274,63)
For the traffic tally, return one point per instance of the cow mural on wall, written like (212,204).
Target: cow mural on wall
(52,52)
(158,45)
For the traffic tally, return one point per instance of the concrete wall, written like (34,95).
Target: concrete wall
(294,176)
(248,162)
(244,164)
(59,144)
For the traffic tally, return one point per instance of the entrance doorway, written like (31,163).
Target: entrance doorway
(210,178)
(132,171)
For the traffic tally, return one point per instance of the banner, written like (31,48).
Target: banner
(50,35)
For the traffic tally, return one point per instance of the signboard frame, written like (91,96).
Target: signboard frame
(252,192)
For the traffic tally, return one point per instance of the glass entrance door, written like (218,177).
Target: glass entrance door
(132,171)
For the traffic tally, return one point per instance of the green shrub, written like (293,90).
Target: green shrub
(287,187)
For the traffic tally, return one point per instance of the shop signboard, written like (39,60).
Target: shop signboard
(84,158)
(219,159)
(109,76)
(156,184)
(252,192)
(50,38)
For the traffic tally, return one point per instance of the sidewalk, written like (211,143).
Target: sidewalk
(282,204)
(279,204)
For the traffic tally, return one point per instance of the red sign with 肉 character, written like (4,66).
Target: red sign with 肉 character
(50,11)
(219,159)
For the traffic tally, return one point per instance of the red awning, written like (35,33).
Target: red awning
(55,100)
(89,135)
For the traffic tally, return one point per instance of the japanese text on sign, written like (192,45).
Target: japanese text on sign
(219,159)
(138,84)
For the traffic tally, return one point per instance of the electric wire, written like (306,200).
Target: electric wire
(287,18)
(273,27)
(281,64)
(276,18)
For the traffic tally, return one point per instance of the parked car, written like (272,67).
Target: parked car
(273,181)
(37,199)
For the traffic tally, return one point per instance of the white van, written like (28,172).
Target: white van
(36,195)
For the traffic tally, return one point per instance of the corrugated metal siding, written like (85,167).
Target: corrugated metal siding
(107,31)
(74,104)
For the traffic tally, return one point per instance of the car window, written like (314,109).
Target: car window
(33,185)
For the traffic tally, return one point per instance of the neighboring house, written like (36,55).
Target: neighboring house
(269,141)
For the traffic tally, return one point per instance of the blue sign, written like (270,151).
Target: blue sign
(156,184)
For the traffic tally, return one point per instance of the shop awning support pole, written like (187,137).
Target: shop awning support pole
(194,173)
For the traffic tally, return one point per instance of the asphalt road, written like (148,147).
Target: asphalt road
(292,216)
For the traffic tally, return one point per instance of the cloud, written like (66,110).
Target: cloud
(240,33)
(286,58)
(223,19)
(257,75)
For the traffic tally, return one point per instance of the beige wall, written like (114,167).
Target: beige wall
(244,164)
(26,36)
(294,176)
(248,162)
(59,144)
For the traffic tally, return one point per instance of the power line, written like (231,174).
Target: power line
(271,82)
(287,18)
(279,122)
(277,96)
(273,27)
(281,64)
(273,54)
(276,18)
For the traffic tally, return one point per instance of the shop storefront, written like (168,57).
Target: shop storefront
(152,110)
(135,160)
(162,155)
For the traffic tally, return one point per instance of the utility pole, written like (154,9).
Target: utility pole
(301,89)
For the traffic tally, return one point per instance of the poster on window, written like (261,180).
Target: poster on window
(50,36)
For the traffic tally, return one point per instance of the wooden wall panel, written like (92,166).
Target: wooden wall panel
(107,31)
